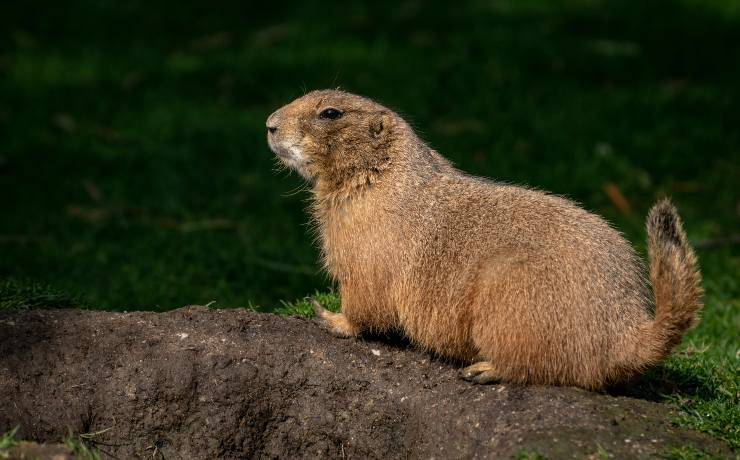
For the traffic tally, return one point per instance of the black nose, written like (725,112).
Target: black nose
(272,129)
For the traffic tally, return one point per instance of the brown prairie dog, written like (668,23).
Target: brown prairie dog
(526,287)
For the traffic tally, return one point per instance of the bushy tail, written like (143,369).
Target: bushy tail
(674,274)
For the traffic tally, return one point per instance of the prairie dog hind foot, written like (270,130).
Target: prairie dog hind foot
(481,373)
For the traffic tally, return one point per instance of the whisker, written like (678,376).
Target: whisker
(297,190)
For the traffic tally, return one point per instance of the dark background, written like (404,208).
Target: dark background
(134,171)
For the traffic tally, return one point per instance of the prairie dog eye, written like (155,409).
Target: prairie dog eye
(331,114)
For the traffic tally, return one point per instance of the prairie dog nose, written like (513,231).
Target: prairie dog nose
(272,123)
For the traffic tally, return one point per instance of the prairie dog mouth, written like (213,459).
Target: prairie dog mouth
(282,153)
(287,152)
(291,155)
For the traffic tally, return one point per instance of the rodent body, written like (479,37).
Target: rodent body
(527,286)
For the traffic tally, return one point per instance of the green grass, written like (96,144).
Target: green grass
(134,172)
(23,295)
(7,442)
(80,447)
(529,455)
(687,453)
(303,307)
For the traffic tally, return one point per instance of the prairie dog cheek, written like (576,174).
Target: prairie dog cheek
(297,152)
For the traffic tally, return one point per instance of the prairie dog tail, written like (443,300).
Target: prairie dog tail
(676,281)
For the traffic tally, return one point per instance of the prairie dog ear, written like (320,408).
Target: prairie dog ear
(380,123)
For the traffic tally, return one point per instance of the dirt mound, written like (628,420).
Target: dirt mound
(200,383)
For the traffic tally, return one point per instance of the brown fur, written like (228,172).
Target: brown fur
(528,286)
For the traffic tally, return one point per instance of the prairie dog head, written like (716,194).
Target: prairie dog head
(332,136)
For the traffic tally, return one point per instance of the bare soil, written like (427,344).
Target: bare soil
(201,383)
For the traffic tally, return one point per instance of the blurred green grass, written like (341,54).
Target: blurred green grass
(134,171)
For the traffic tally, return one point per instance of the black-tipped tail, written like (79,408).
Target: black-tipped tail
(675,277)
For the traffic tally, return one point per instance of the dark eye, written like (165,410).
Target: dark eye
(330,114)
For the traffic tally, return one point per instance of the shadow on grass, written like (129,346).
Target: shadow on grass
(665,383)
(704,391)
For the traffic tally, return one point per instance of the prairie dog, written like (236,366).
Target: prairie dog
(524,286)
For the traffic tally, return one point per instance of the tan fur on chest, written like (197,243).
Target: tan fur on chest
(362,259)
